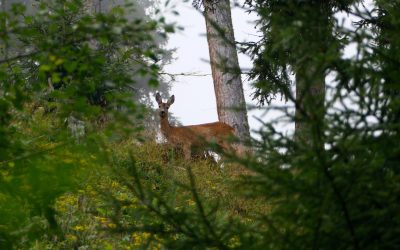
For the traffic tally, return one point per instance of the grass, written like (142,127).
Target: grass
(107,202)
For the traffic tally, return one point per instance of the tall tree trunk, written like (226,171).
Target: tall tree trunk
(225,68)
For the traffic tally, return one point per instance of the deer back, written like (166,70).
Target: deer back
(201,134)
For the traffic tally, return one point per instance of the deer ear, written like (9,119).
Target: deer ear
(158,98)
(171,100)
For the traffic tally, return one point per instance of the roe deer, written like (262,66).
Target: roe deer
(193,136)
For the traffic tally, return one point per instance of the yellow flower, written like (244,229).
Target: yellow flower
(59,61)
(66,202)
(68,160)
(107,246)
(137,240)
(157,247)
(114,184)
(71,237)
(191,202)
(122,197)
(234,242)
(111,225)
(101,219)
(146,235)
(134,205)
(79,228)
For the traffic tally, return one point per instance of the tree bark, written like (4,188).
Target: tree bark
(310,98)
(231,105)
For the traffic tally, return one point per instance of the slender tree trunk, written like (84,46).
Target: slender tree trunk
(225,68)
(90,6)
(310,97)
(94,6)
(310,75)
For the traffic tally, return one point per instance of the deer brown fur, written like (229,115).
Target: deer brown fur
(197,136)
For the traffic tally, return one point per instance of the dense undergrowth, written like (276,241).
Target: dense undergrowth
(106,213)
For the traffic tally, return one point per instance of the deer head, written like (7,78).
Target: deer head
(162,106)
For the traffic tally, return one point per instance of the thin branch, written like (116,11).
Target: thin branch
(32,154)
(6,60)
(172,75)
(183,74)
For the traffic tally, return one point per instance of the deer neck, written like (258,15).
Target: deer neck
(165,127)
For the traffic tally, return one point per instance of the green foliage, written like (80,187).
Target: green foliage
(57,64)
(297,35)
(337,189)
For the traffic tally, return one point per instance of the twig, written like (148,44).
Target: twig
(183,74)
(33,154)
(6,60)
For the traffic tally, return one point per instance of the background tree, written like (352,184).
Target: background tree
(226,73)
(293,44)
(140,90)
